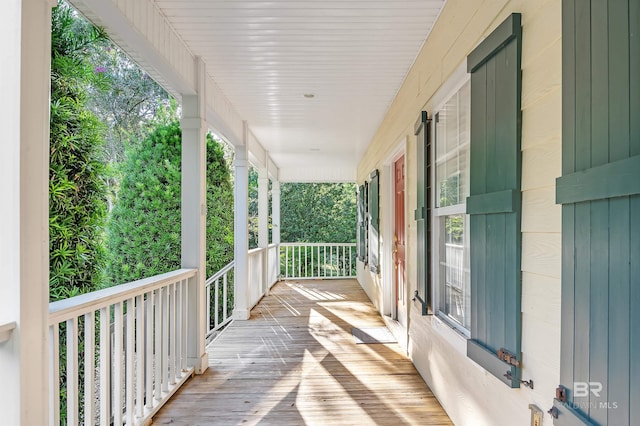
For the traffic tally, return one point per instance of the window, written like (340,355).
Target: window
(452,135)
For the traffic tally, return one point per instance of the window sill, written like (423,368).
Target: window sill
(452,335)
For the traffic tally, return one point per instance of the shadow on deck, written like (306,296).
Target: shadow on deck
(295,362)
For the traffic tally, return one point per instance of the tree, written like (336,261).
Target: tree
(76,189)
(143,234)
(318,212)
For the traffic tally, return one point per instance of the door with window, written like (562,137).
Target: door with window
(399,242)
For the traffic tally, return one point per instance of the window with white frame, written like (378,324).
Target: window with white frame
(451,251)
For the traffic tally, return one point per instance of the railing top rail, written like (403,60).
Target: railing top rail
(318,244)
(255,250)
(75,306)
(229,266)
(6,330)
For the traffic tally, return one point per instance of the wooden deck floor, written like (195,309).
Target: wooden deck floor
(295,362)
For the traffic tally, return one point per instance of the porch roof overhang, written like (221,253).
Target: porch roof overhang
(261,59)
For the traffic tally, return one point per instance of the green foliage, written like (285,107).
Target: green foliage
(252,207)
(143,234)
(318,212)
(76,189)
(128,103)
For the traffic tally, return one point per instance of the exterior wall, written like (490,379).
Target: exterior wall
(470,395)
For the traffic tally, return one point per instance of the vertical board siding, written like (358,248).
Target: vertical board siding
(634,297)
(600,238)
(478,185)
(496,166)
(634,206)
(568,212)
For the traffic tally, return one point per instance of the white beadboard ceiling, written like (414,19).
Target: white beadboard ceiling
(352,55)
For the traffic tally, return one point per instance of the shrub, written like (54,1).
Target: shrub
(143,234)
(76,189)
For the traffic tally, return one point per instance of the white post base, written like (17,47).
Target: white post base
(201,364)
(241,314)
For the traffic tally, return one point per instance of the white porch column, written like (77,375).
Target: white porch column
(263,224)
(241,310)
(194,215)
(275,211)
(25,29)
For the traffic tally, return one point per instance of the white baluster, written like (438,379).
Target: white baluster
(105,367)
(157,327)
(208,311)
(179,302)
(224,298)
(72,371)
(54,375)
(130,356)
(165,340)
(149,352)
(172,334)
(118,366)
(140,352)
(217,303)
(89,367)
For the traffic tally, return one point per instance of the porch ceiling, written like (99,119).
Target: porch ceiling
(265,55)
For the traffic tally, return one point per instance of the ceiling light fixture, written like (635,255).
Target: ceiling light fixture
(309,95)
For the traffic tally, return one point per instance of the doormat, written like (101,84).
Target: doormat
(373,335)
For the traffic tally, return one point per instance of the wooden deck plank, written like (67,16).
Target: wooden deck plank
(295,362)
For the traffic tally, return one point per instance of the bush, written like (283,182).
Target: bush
(143,234)
(76,189)
(318,212)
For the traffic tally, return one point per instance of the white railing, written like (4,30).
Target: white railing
(219,293)
(274,264)
(256,281)
(317,261)
(124,350)
(6,330)
(454,265)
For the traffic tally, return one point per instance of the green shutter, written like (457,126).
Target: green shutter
(362,245)
(600,195)
(495,202)
(423,212)
(374,222)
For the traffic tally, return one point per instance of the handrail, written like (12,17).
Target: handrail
(255,250)
(317,260)
(6,330)
(133,340)
(219,306)
(229,266)
(72,307)
(318,244)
